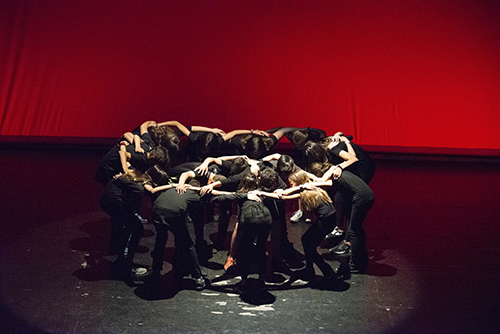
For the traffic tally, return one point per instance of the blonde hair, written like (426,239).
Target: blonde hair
(309,199)
(138,176)
(299,177)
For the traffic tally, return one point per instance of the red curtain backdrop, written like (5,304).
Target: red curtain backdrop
(391,73)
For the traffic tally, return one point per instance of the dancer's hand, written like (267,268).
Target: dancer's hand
(203,168)
(181,188)
(337,172)
(253,197)
(206,190)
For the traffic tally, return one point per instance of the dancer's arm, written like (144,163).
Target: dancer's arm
(178,125)
(206,129)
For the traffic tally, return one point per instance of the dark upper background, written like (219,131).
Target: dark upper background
(391,73)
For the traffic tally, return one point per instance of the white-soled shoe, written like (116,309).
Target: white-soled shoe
(297,215)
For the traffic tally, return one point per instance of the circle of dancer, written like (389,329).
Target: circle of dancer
(196,174)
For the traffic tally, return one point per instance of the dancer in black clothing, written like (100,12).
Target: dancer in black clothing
(299,137)
(169,213)
(341,149)
(251,231)
(140,151)
(317,201)
(362,198)
(121,199)
(234,168)
(256,144)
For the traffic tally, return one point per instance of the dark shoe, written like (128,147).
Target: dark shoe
(200,283)
(358,268)
(153,279)
(279,266)
(204,251)
(306,274)
(343,272)
(242,287)
(342,249)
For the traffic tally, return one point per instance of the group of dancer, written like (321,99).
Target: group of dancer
(187,179)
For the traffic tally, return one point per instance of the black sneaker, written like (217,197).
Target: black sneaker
(358,268)
(343,272)
(343,249)
(307,274)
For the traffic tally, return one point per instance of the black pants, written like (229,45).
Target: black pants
(361,201)
(225,211)
(281,247)
(310,241)
(169,214)
(185,260)
(252,249)
(126,228)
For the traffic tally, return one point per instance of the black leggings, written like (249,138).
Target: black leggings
(310,241)
(252,249)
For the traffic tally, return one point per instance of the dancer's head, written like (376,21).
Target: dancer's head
(300,137)
(319,169)
(157,175)
(268,179)
(285,166)
(206,145)
(315,152)
(297,178)
(164,136)
(238,165)
(159,156)
(255,147)
(248,183)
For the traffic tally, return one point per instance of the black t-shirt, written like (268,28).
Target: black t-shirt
(193,139)
(364,167)
(313,133)
(109,166)
(121,195)
(139,160)
(356,186)
(171,204)
(250,212)
(236,144)
(189,166)
(324,210)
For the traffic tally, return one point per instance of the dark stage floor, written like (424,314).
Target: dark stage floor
(433,237)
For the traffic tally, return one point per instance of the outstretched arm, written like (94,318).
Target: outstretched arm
(203,168)
(274,195)
(279,134)
(178,125)
(144,126)
(274,156)
(233,133)
(206,129)
(124,156)
(159,188)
